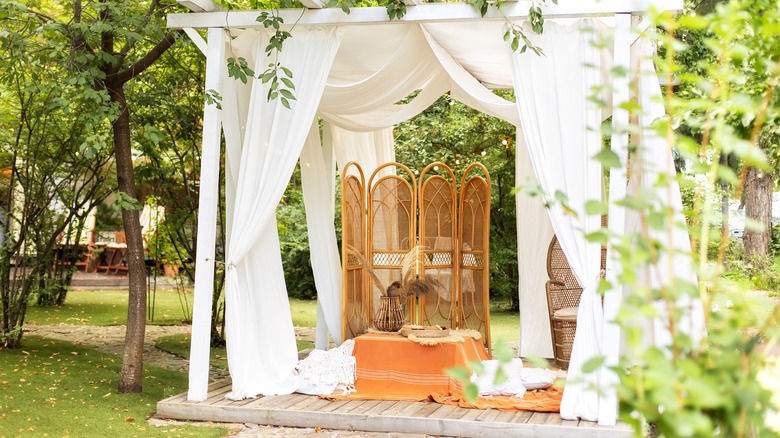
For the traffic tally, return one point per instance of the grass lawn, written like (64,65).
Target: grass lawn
(109,307)
(504,326)
(105,307)
(180,346)
(53,388)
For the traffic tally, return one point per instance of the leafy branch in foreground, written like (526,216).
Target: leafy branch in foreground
(280,77)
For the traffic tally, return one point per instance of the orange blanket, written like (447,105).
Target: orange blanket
(548,400)
(391,367)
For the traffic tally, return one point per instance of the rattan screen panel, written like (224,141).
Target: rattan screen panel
(381,223)
(474,233)
(355,308)
(392,219)
(437,237)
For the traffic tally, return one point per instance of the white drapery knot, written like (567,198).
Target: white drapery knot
(231,265)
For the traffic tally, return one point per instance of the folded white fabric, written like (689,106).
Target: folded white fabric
(518,380)
(537,378)
(485,381)
(324,372)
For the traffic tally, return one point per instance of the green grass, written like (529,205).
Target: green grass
(180,345)
(105,307)
(504,326)
(304,312)
(109,307)
(53,388)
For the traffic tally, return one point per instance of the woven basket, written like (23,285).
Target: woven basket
(390,316)
(425,332)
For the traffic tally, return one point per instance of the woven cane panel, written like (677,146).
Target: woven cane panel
(474,213)
(474,298)
(558,267)
(391,213)
(437,210)
(352,261)
(352,213)
(387,259)
(438,232)
(357,312)
(437,258)
(563,296)
(472,260)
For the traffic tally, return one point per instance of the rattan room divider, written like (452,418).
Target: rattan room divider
(395,213)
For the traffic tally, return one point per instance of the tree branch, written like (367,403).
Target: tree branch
(129,44)
(142,64)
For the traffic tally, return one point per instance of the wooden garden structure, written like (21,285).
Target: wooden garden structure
(350,72)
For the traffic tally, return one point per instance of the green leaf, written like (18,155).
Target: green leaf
(596,207)
(607,158)
(502,352)
(286,93)
(593,364)
(460,374)
(471,392)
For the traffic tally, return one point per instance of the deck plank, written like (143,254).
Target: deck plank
(349,407)
(317,405)
(472,414)
(380,407)
(488,415)
(333,405)
(427,410)
(413,407)
(365,407)
(521,417)
(505,416)
(387,416)
(444,411)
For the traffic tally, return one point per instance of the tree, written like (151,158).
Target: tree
(457,135)
(114,42)
(53,172)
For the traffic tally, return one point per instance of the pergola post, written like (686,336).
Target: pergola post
(207,221)
(610,342)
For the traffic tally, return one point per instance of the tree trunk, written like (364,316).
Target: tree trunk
(131,378)
(758,207)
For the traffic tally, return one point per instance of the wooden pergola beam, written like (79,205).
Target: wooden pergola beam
(422,13)
(200,5)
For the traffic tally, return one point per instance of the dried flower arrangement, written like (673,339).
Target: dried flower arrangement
(411,284)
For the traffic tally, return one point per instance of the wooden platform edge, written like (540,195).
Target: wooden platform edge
(382,423)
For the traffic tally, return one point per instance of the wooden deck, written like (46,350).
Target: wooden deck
(297,410)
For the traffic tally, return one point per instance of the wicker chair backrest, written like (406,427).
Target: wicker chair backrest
(558,268)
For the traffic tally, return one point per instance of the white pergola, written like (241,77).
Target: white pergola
(625,21)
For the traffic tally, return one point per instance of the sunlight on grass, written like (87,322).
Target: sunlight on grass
(180,345)
(58,389)
(109,307)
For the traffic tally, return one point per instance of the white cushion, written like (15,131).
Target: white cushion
(566,313)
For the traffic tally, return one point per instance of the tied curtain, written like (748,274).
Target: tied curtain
(260,336)
(561,129)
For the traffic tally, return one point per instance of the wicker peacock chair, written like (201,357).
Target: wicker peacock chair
(563,300)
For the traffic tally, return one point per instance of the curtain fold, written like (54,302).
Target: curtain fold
(653,160)
(318,174)
(534,232)
(561,129)
(467,89)
(260,336)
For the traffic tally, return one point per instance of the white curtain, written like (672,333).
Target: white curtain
(653,160)
(318,175)
(561,129)
(261,340)
(534,232)
(370,149)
